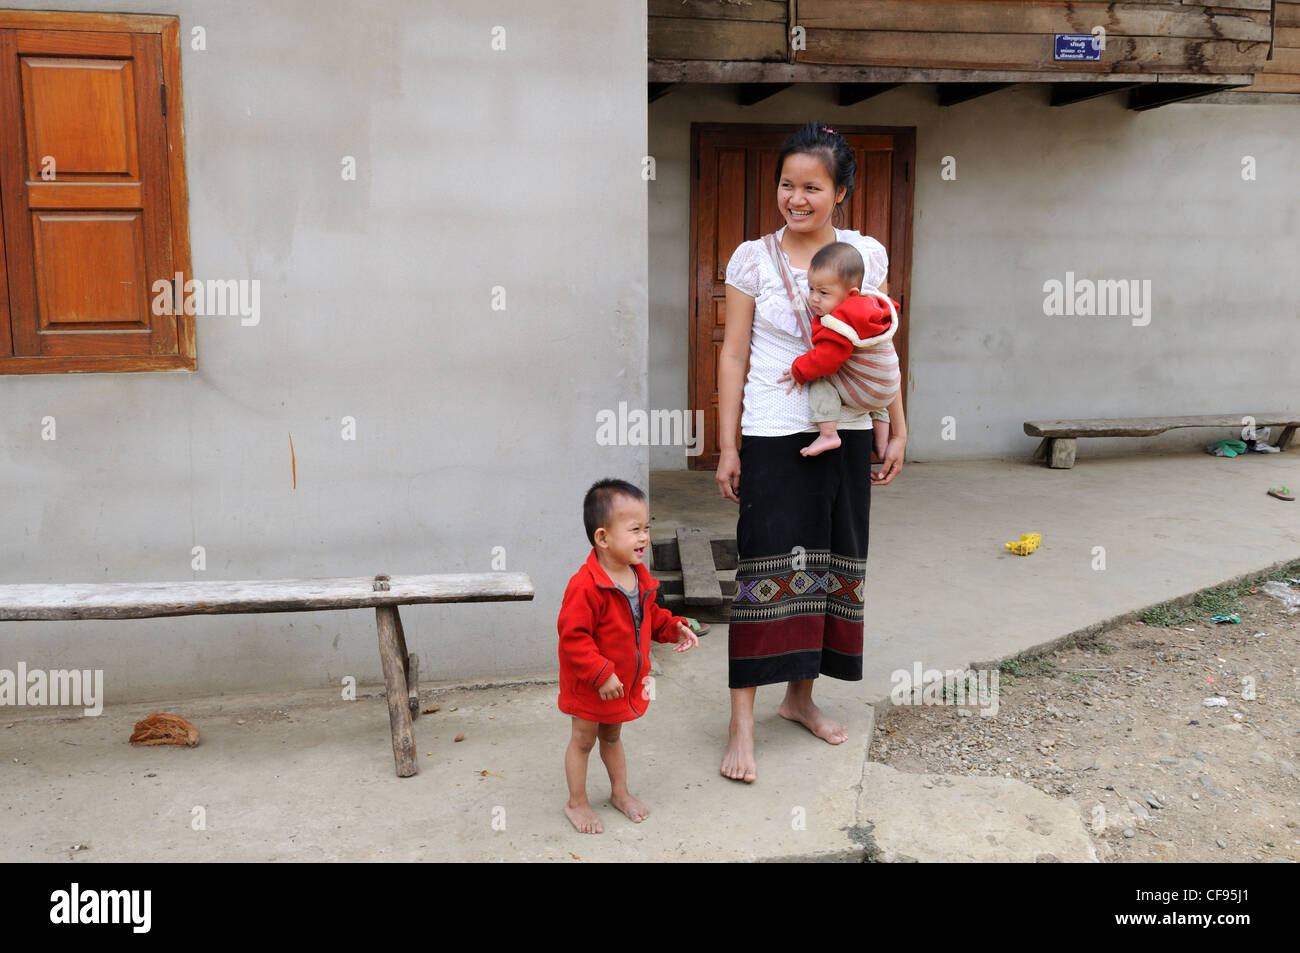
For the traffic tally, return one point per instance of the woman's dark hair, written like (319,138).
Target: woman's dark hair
(821,141)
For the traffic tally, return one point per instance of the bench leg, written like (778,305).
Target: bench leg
(410,666)
(399,715)
(1040,451)
(1284,441)
(1060,453)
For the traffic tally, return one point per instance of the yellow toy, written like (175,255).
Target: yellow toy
(1027,543)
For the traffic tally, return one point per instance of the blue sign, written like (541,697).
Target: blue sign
(1077,46)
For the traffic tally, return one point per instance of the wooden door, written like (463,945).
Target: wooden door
(733,199)
(86,207)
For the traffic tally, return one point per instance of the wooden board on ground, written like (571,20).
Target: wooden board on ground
(699,573)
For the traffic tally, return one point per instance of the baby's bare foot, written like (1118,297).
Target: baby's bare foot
(738,761)
(630,806)
(821,445)
(815,720)
(584,819)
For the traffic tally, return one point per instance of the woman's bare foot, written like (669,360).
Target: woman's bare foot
(821,445)
(630,806)
(814,719)
(738,760)
(584,819)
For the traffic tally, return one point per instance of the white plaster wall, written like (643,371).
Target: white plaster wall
(476,428)
(1092,188)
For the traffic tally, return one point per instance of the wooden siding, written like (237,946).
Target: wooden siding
(1163,38)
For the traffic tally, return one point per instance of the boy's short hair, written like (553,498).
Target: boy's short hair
(842,259)
(598,505)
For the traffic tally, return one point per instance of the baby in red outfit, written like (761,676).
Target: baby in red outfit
(846,325)
(607,620)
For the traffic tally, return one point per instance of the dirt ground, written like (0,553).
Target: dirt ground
(1119,725)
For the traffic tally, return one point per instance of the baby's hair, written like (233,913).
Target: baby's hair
(598,505)
(843,260)
(820,140)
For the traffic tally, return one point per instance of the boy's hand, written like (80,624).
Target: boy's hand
(611,688)
(794,384)
(686,639)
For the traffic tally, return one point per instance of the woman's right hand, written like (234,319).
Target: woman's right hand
(728,475)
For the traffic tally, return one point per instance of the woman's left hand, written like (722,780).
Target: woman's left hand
(893,463)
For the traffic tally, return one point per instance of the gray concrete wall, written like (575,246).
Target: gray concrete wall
(1091,188)
(475,428)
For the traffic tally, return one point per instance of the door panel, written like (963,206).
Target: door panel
(86,206)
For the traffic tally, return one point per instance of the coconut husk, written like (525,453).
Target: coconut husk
(161,728)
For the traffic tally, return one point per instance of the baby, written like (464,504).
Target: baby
(845,322)
(607,620)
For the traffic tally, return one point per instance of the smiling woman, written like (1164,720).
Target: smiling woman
(803,520)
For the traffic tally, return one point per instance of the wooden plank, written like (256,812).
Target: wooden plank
(1149,426)
(1028,52)
(771,10)
(1277,83)
(673,38)
(998,16)
(1234,4)
(1284,61)
(52,601)
(699,574)
(1286,37)
(114,23)
(1288,14)
(726,71)
(399,715)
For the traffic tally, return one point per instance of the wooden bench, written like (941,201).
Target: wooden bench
(38,602)
(1058,443)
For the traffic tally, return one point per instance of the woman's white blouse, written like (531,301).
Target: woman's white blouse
(776,340)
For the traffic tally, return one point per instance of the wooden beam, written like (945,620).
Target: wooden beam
(751,93)
(850,94)
(681,38)
(773,10)
(1130,54)
(1162,94)
(1066,94)
(730,71)
(108,600)
(950,94)
(994,16)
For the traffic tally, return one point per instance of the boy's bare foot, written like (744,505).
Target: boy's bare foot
(738,760)
(584,819)
(821,445)
(815,720)
(630,806)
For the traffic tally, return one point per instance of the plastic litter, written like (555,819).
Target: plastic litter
(1234,618)
(1284,594)
(1027,543)
(1217,702)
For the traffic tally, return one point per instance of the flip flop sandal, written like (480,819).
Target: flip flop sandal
(698,627)
(1281,492)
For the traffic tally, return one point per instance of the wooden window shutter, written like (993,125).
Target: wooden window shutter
(86,203)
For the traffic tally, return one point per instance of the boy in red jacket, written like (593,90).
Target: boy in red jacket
(607,621)
(844,322)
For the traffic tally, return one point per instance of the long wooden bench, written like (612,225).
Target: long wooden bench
(1058,444)
(53,602)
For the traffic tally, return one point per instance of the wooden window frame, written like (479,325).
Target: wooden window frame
(169,28)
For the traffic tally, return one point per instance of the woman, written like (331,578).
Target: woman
(802,526)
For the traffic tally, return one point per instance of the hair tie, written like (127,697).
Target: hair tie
(828,129)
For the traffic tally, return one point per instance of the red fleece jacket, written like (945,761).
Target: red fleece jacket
(598,639)
(867,315)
